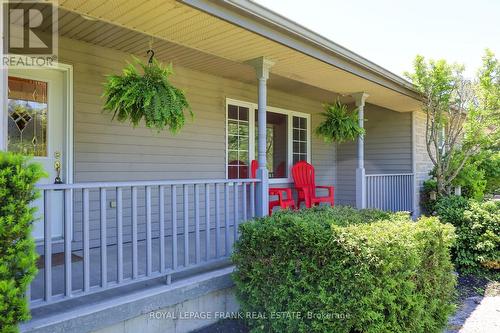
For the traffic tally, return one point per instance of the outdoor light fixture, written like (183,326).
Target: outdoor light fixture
(433,195)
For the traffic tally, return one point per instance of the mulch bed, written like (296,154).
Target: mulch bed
(225,326)
(471,286)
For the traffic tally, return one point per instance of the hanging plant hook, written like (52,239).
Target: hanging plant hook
(151,54)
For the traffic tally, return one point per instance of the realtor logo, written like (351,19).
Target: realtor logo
(31,33)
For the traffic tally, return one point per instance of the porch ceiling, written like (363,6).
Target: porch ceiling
(195,39)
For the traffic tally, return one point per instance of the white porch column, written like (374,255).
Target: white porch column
(359,99)
(262,66)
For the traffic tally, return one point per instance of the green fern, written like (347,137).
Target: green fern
(150,96)
(340,124)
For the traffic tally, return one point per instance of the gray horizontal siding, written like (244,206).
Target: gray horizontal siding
(346,173)
(388,141)
(388,149)
(113,151)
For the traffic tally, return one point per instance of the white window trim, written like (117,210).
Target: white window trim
(251,135)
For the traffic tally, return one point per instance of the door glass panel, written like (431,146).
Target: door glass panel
(27,116)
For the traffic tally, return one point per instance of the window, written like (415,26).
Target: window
(27,116)
(287,139)
(237,141)
(299,139)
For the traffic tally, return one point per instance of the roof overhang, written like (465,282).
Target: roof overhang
(260,20)
(219,37)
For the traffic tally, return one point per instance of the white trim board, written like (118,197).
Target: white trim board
(416,194)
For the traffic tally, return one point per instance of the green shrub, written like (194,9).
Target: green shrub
(17,247)
(477,224)
(472,181)
(480,175)
(489,162)
(451,209)
(342,215)
(340,270)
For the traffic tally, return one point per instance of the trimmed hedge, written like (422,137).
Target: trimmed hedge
(342,270)
(477,248)
(17,247)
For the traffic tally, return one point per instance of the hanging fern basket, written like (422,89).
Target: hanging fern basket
(339,124)
(149,96)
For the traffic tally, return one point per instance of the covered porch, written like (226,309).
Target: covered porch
(136,206)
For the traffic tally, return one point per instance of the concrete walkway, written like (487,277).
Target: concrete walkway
(477,315)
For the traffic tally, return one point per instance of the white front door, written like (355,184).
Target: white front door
(37,126)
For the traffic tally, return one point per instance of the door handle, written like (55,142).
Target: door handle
(57,167)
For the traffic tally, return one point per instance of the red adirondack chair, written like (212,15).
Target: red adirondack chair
(234,167)
(303,177)
(282,201)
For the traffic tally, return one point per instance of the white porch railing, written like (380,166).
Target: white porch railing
(390,192)
(116,233)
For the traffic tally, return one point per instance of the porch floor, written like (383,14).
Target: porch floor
(58,285)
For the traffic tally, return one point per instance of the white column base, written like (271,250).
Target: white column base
(360,188)
(262,193)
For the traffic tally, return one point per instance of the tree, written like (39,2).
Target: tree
(462,115)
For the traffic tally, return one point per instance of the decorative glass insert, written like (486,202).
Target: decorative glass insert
(27,116)
(237,142)
(276,143)
(299,139)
